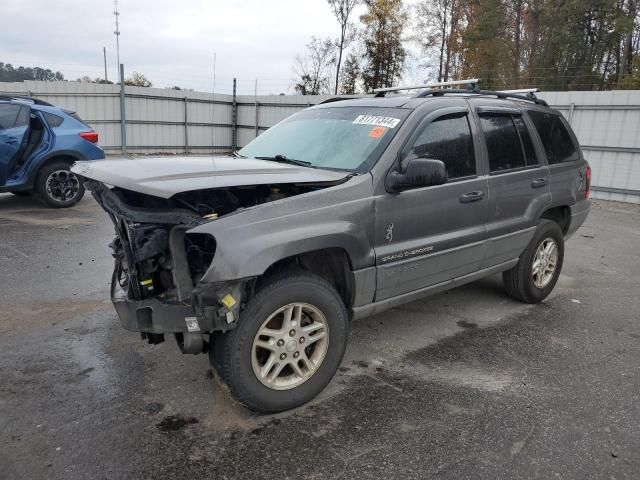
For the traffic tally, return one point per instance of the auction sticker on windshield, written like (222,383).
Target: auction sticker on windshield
(379,121)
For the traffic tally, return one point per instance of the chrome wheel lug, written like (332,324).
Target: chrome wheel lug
(280,342)
(292,332)
(296,354)
(302,340)
(283,356)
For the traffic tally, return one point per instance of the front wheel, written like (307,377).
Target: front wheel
(287,346)
(57,186)
(538,269)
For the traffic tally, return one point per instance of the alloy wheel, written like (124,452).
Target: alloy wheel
(545,261)
(290,346)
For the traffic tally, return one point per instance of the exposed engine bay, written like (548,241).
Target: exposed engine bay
(155,259)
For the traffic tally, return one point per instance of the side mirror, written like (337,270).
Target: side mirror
(419,172)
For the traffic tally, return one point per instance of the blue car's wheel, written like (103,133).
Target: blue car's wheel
(57,186)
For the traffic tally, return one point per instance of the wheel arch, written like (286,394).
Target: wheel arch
(64,156)
(559,214)
(332,263)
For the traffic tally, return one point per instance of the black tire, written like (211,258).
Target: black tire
(49,198)
(231,353)
(519,282)
(22,193)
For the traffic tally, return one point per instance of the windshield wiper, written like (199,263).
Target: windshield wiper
(237,155)
(284,159)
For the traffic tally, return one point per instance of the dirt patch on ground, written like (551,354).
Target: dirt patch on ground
(17,317)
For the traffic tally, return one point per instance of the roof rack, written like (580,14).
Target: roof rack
(471,82)
(472,88)
(24,98)
(525,96)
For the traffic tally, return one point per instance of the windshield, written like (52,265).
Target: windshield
(341,138)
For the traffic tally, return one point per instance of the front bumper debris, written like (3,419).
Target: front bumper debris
(153,316)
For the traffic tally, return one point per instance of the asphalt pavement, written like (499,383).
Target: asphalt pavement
(464,384)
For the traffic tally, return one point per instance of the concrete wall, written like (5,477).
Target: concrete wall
(177,121)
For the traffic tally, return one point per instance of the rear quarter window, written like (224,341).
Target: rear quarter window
(53,120)
(556,139)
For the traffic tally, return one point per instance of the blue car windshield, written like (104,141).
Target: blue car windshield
(337,138)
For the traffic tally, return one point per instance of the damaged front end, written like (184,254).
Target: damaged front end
(156,286)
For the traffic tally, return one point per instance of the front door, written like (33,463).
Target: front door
(14,123)
(433,234)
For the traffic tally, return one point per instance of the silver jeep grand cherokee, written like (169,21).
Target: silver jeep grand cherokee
(341,211)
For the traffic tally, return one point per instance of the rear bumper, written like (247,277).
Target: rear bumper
(579,213)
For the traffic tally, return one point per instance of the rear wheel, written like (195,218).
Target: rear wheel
(538,269)
(287,346)
(57,186)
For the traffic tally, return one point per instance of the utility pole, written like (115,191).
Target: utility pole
(104,53)
(116,13)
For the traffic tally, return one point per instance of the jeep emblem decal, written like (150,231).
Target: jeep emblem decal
(390,233)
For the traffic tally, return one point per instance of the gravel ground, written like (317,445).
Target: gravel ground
(465,384)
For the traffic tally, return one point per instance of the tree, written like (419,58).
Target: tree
(384,23)
(436,22)
(350,75)
(312,69)
(10,74)
(138,80)
(342,10)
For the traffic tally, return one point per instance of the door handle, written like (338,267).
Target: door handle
(539,182)
(472,196)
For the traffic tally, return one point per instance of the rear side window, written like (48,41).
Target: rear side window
(12,116)
(447,139)
(557,141)
(503,142)
(53,120)
(527,144)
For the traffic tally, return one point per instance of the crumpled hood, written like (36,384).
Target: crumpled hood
(166,176)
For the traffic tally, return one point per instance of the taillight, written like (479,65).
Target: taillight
(587,184)
(90,136)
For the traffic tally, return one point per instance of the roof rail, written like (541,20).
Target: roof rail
(529,97)
(380,92)
(24,98)
(338,99)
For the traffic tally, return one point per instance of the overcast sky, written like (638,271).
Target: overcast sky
(171,42)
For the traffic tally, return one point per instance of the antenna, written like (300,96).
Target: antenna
(116,13)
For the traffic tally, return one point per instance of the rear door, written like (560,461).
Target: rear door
(430,235)
(518,182)
(14,124)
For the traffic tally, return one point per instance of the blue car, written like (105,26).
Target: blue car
(38,144)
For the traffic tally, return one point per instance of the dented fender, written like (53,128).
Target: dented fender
(249,241)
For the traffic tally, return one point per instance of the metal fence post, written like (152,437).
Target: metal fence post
(186,125)
(234,119)
(123,125)
(257,126)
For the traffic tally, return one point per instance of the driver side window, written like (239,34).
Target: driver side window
(448,139)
